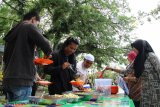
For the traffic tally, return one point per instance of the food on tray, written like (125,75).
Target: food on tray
(70,98)
(78,79)
(87,89)
(57,95)
(70,95)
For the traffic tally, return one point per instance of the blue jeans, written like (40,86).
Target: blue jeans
(17,93)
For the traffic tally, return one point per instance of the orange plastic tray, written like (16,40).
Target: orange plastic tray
(42,61)
(44,82)
(77,83)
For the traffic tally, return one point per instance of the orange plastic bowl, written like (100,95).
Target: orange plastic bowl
(77,83)
(114,89)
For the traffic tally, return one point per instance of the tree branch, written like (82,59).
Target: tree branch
(10,5)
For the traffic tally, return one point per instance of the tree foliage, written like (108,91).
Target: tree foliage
(102,26)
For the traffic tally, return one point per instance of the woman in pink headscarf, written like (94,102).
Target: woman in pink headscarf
(131,56)
(133,84)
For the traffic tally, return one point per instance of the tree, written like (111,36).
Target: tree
(101,25)
(149,16)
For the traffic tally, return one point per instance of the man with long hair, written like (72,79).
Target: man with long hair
(64,68)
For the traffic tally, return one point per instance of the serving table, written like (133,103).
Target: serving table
(118,100)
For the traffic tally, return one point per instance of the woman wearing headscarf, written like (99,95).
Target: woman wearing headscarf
(147,67)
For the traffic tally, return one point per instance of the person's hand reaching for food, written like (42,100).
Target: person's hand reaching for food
(113,69)
(109,68)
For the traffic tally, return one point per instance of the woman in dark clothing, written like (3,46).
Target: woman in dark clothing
(63,69)
(133,83)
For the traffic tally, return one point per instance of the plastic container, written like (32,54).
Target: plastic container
(103,86)
(87,87)
(89,96)
(55,100)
